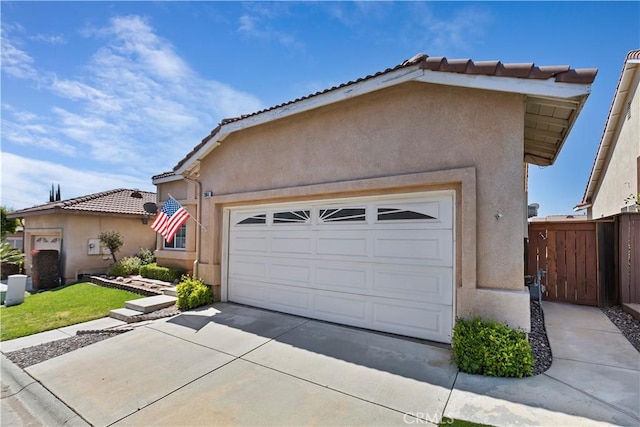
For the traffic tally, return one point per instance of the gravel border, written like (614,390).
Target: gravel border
(538,339)
(29,356)
(628,325)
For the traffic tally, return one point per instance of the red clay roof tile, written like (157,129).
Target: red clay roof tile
(118,201)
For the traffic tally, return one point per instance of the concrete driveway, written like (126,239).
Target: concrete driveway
(234,365)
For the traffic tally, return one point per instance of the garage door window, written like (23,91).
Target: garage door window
(393,214)
(255,219)
(292,217)
(343,215)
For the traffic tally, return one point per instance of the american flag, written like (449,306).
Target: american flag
(170,219)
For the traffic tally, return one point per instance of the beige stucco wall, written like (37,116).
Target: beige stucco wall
(76,230)
(620,179)
(412,137)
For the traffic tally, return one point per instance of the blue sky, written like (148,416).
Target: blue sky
(101,95)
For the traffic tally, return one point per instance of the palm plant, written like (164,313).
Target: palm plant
(9,254)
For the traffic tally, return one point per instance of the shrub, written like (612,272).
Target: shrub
(146,256)
(192,292)
(125,267)
(491,348)
(166,274)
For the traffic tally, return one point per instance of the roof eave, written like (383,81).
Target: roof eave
(611,129)
(533,87)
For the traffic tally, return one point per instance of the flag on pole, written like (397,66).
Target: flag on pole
(170,219)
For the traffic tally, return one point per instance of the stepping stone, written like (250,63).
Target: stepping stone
(124,314)
(149,304)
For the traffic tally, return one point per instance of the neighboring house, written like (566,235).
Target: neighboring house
(16,239)
(72,227)
(395,202)
(614,182)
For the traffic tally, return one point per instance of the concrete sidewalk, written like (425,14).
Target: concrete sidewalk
(594,379)
(235,365)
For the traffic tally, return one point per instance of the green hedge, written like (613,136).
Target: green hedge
(491,348)
(192,293)
(125,267)
(166,274)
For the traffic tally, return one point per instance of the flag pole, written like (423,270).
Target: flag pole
(190,216)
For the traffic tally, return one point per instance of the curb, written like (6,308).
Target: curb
(26,402)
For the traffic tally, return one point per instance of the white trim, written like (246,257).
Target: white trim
(532,87)
(343,200)
(224,265)
(169,178)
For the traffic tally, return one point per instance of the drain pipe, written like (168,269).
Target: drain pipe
(199,228)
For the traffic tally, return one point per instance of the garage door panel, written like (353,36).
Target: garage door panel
(248,267)
(248,293)
(291,245)
(338,278)
(420,284)
(288,273)
(434,247)
(428,321)
(286,299)
(250,243)
(343,246)
(340,309)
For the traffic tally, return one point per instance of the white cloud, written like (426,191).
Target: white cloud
(138,105)
(49,38)
(441,34)
(255,23)
(26,182)
(15,61)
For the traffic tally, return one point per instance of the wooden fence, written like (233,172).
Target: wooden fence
(629,257)
(568,252)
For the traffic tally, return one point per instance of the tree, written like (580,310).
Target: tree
(112,240)
(8,225)
(54,196)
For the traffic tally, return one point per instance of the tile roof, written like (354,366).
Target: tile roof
(163,175)
(561,74)
(113,202)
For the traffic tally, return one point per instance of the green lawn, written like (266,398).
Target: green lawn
(60,307)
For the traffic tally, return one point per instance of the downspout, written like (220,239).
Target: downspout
(198,228)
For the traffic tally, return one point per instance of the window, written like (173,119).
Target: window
(291,217)
(255,219)
(393,214)
(343,215)
(179,240)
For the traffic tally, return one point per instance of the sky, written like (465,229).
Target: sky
(104,95)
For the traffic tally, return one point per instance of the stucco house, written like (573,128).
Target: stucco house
(614,181)
(72,227)
(395,202)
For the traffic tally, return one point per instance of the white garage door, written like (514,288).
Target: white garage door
(378,263)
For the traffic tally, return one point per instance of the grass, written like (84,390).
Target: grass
(60,307)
